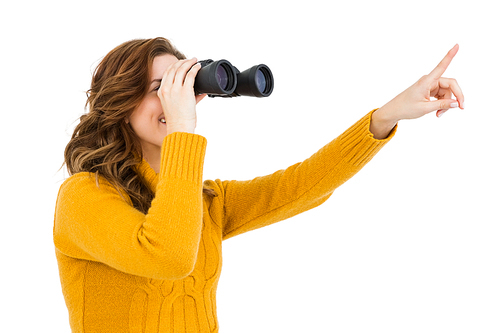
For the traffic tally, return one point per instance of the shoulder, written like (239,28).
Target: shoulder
(83,195)
(78,181)
(87,185)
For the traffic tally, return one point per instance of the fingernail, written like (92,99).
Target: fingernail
(454,105)
(441,114)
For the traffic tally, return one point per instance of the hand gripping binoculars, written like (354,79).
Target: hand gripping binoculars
(221,79)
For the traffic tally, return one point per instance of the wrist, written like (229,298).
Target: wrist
(381,124)
(187,128)
(386,116)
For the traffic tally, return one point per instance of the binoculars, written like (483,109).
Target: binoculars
(221,79)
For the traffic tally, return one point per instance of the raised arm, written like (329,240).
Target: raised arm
(253,204)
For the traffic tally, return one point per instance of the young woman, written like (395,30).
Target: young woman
(138,233)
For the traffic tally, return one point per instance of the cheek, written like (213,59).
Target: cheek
(151,106)
(146,116)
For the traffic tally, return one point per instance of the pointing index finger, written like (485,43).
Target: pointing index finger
(441,68)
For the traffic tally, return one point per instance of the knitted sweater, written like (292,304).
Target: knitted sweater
(124,271)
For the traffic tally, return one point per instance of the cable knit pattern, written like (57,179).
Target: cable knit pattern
(124,271)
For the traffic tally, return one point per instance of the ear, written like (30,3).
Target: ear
(127,121)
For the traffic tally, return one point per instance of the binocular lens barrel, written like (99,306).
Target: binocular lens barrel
(215,77)
(256,82)
(220,78)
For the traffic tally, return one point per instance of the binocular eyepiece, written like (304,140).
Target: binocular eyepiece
(221,79)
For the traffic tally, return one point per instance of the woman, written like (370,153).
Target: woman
(138,233)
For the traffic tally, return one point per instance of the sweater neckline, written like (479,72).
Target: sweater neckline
(149,175)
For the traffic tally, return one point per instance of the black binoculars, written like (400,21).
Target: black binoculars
(221,79)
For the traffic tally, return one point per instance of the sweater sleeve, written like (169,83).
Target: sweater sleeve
(256,203)
(94,222)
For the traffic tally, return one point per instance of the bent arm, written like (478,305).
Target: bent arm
(95,223)
(265,200)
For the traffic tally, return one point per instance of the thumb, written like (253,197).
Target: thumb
(440,104)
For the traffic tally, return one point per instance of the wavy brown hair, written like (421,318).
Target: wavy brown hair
(103,143)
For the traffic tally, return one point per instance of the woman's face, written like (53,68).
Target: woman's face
(145,120)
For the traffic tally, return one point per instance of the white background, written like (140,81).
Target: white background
(410,244)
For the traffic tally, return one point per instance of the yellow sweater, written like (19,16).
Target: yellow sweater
(123,271)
